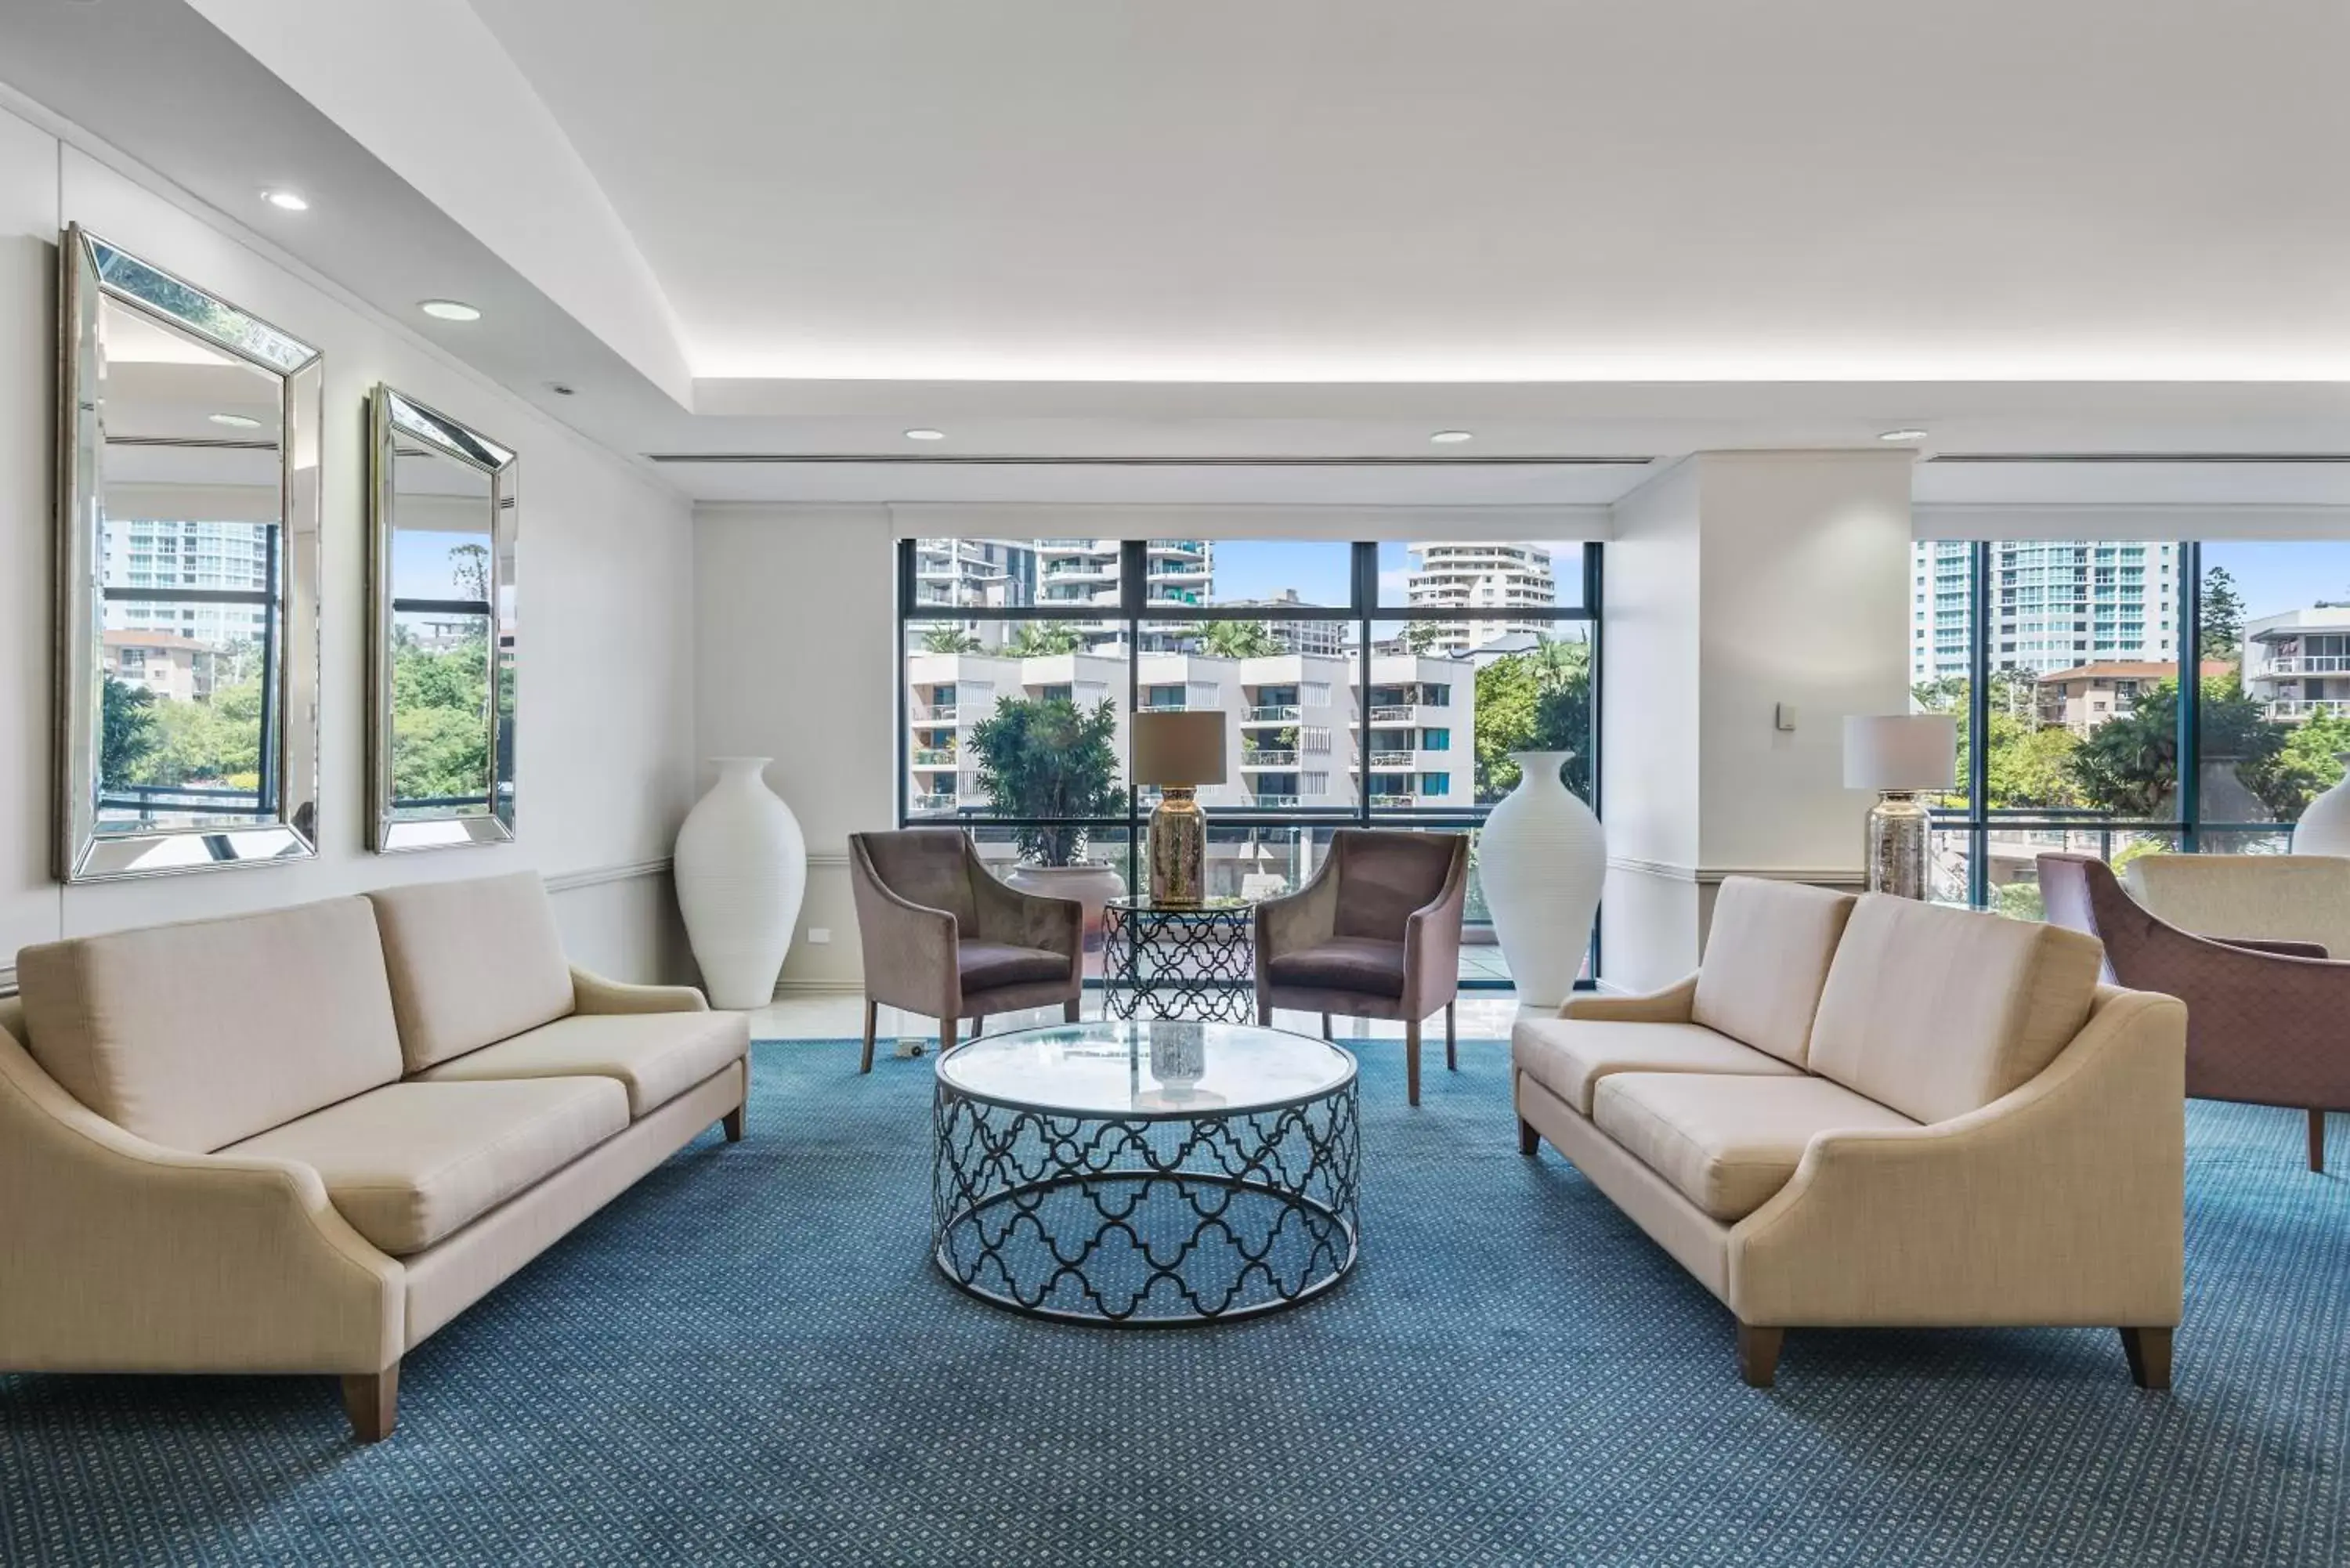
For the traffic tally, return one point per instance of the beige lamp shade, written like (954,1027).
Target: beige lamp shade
(1181,750)
(1900,751)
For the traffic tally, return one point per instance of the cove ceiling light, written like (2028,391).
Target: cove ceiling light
(923,432)
(285,201)
(1452,437)
(449,309)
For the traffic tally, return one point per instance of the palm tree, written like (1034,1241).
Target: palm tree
(1034,638)
(1238,640)
(949,638)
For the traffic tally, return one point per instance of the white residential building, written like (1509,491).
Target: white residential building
(2055,604)
(1323,637)
(2298,664)
(153,552)
(959,573)
(1498,575)
(1086,572)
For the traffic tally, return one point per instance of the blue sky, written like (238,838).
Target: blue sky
(2270,578)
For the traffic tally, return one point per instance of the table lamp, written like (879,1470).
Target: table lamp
(1178,752)
(1906,758)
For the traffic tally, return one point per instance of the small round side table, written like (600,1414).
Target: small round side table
(1179,960)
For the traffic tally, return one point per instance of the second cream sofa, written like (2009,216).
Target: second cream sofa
(302,1141)
(1884,1113)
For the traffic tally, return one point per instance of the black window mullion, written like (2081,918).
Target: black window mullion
(1979,728)
(2190,695)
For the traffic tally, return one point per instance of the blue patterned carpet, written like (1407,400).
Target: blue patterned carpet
(749,1359)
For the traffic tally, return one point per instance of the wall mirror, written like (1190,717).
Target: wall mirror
(441,638)
(188,576)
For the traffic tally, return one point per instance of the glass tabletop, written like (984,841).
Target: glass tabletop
(1156,1068)
(1145,903)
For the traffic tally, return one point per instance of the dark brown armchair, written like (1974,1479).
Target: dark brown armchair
(1374,933)
(2268,1023)
(942,937)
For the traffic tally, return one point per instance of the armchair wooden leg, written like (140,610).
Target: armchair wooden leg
(1529,1140)
(2149,1350)
(1264,1012)
(1411,1060)
(2317,1141)
(949,1031)
(1452,1051)
(1757,1354)
(872,1017)
(1326,1026)
(979,1026)
(733,1125)
(1069,1009)
(372,1399)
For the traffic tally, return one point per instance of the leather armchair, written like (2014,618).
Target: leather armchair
(2268,1023)
(942,937)
(1374,933)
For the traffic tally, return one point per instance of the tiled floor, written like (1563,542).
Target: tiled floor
(1480,1016)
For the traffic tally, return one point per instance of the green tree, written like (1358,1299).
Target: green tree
(1238,640)
(126,730)
(1034,638)
(469,570)
(2222,619)
(1421,636)
(440,719)
(948,637)
(2129,765)
(1048,758)
(1539,700)
(2303,767)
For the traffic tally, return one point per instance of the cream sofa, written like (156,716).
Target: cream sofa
(2263,898)
(1883,1113)
(302,1141)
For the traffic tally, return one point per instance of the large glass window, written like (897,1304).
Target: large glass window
(1364,683)
(2069,658)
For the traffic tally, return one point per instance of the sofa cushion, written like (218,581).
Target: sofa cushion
(196,1036)
(986,965)
(1569,1057)
(410,1164)
(1364,965)
(1766,961)
(656,1057)
(1938,1011)
(472,962)
(1724,1143)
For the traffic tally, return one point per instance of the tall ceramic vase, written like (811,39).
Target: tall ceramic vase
(2324,824)
(742,871)
(1541,860)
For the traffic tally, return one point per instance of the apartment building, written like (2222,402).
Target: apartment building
(2055,605)
(176,668)
(1479,575)
(208,557)
(2298,664)
(1292,722)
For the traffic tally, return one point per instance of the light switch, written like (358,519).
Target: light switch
(1786,716)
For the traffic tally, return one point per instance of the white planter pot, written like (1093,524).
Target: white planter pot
(1542,857)
(742,871)
(1088,885)
(2324,826)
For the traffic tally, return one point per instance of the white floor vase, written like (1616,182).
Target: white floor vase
(742,871)
(2324,825)
(1541,860)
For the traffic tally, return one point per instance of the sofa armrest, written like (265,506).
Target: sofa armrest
(591,993)
(2275,945)
(123,1256)
(2062,1202)
(1674,1005)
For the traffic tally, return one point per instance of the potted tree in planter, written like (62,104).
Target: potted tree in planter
(1050,762)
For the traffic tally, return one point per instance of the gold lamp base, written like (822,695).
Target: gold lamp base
(1179,848)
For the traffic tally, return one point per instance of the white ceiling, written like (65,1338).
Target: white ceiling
(1318,229)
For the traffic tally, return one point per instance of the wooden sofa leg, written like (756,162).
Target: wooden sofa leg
(733,1125)
(872,1018)
(1452,1050)
(1757,1354)
(2317,1141)
(372,1399)
(1529,1140)
(2149,1350)
(1411,1060)
(949,1031)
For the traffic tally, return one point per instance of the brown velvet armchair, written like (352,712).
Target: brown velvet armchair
(2268,1023)
(942,937)
(1374,933)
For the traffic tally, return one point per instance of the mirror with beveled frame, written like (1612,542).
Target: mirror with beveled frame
(188,576)
(440,641)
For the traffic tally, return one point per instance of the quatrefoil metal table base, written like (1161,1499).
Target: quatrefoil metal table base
(1179,1217)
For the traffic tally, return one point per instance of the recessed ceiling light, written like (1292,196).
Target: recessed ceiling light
(287,201)
(235,421)
(922,433)
(1452,437)
(449,309)
(1903,434)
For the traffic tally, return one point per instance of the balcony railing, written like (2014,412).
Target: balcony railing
(1273,713)
(1270,801)
(931,803)
(1393,801)
(1391,759)
(935,757)
(2307,664)
(936,713)
(1266,758)
(1392,714)
(2298,707)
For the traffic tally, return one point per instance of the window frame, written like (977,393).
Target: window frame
(1134,611)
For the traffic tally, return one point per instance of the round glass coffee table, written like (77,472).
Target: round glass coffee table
(1145,1173)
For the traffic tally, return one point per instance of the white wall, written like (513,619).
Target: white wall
(1737,582)
(795,660)
(607,586)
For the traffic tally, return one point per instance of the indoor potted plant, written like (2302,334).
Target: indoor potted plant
(1048,762)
